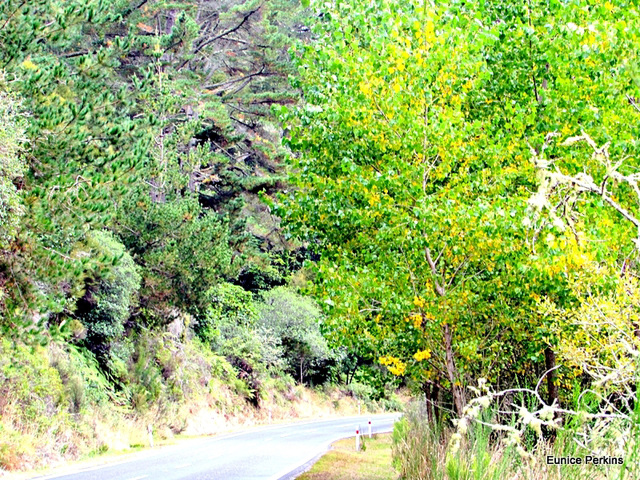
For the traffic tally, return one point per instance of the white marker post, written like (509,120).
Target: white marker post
(357,440)
(150,431)
(369,428)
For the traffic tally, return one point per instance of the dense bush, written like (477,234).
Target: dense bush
(182,249)
(11,165)
(109,295)
(294,320)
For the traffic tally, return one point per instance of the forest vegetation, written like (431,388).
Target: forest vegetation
(143,280)
(237,196)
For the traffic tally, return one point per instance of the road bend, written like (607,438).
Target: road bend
(264,453)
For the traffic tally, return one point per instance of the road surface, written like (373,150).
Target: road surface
(265,453)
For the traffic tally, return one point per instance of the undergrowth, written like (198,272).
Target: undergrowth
(422,451)
(56,403)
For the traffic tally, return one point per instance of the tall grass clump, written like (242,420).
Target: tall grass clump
(496,444)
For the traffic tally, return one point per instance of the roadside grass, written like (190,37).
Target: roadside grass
(56,405)
(344,463)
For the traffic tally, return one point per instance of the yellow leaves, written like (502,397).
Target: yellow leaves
(365,87)
(430,32)
(416,318)
(419,302)
(393,364)
(550,240)
(589,39)
(572,256)
(422,355)
(29,65)
(608,6)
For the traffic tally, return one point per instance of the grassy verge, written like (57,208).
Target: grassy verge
(344,463)
(422,450)
(57,406)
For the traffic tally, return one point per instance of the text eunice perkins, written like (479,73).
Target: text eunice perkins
(586,460)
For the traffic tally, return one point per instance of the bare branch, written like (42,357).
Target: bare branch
(439,288)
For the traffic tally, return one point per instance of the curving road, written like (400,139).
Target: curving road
(266,453)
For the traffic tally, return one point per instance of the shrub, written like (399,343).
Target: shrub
(11,165)
(108,297)
(294,320)
(184,250)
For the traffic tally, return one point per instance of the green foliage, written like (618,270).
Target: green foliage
(153,121)
(229,327)
(11,165)
(85,139)
(30,385)
(295,322)
(109,294)
(33,401)
(231,310)
(84,381)
(413,169)
(182,248)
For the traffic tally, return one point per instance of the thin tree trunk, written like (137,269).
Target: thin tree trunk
(435,394)
(426,389)
(301,366)
(431,391)
(552,387)
(458,398)
(440,288)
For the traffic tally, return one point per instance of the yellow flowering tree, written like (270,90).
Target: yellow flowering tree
(414,177)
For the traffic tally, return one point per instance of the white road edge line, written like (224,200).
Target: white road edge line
(138,478)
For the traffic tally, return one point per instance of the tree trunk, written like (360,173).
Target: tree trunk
(431,391)
(157,195)
(456,390)
(426,389)
(301,366)
(552,387)
(452,373)
(352,373)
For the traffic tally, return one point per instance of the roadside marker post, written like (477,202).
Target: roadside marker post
(150,431)
(369,428)
(358,439)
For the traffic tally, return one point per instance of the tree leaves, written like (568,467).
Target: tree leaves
(413,168)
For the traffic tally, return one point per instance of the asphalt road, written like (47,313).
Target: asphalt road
(265,453)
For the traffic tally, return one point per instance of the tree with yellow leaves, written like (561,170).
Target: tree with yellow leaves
(413,174)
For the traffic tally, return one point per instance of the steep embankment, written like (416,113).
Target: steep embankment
(56,405)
